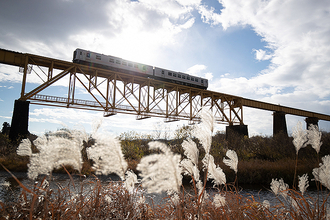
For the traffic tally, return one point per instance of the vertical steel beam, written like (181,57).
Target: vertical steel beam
(177,101)
(24,76)
(114,92)
(107,95)
(72,85)
(166,108)
(50,70)
(190,107)
(148,96)
(139,99)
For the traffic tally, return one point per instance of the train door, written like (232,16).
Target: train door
(88,56)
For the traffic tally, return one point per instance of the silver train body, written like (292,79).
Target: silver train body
(117,64)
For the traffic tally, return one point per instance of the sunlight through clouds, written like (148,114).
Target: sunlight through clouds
(138,29)
(273,51)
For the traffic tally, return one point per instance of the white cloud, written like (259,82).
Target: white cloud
(175,9)
(6,117)
(194,70)
(9,74)
(262,55)
(208,15)
(117,124)
(197,70)
(298,46)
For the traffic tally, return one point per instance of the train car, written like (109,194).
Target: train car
(110,62)
(117,64)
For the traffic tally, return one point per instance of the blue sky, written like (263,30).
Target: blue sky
(276,51)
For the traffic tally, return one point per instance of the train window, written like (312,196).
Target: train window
(98,57)
(196,80)
(192,79)
(80,52)
(130,64)
(135,65)
(188,77)
(88,55)
(124,63)
(202,81)
(179,75)
(112,60)
(174,74)
(117,61)
(169,73)
(162,71)
(183,77)
(144,68)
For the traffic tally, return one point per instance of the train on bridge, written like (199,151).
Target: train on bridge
(86,57)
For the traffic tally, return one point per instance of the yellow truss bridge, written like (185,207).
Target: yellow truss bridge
(117,92)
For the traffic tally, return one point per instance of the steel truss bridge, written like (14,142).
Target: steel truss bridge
(115,92)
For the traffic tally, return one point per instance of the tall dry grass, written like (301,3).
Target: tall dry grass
(161,171)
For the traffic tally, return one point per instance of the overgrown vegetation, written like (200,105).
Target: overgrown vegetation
(161,169)
(261,157)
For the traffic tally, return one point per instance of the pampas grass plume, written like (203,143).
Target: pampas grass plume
(59,148)
(130,180)
(219,200)
(24,149)
(303,183)
(232,162)
(190,169)
(279,187)
(190,150)
(204,130)
(299,137)
(314,137)
(108,156)
(322,174)
(161,172)
(214,172)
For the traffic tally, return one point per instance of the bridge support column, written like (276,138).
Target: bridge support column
(241,130)
(279,123)
(311,121)
(20,120)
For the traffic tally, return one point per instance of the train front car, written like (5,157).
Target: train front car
(110,62)
(77,55)
(85,57)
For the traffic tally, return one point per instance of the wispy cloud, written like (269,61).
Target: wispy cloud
(298,48)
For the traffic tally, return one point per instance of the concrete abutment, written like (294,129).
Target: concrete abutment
(279,123)
(241,130)
(20,120)
(311,121)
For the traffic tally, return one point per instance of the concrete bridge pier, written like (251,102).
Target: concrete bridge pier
(241,130)
(279,123)
(311,121)
(20,120)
